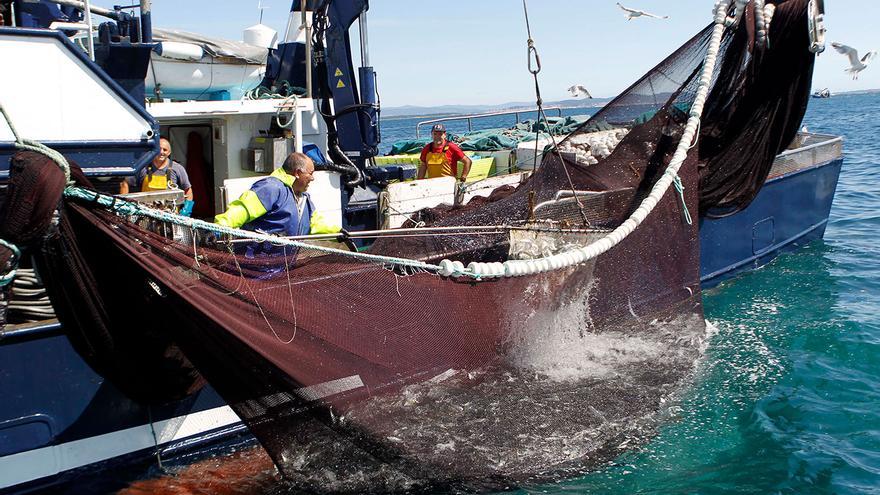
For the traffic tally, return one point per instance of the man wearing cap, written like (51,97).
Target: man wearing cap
(440,157)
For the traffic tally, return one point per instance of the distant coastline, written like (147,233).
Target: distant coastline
(413,112)
(419,112)
(857,92)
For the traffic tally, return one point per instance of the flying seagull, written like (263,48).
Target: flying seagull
(856,65)
(578,90)
(633,13)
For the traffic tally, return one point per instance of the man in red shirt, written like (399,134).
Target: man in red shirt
(440,157)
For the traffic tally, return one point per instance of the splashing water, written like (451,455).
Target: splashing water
(532,418)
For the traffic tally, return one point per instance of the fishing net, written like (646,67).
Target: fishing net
(358,372)
(755,110)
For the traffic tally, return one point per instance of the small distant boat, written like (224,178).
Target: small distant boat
(822,93)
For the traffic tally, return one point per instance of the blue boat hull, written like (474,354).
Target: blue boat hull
(59,419)
(790,211)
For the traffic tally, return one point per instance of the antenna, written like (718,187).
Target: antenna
(261,8)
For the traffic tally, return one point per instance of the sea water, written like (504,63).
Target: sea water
(785,397)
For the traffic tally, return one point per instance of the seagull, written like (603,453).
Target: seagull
(578,90)
(856,65)
(633,13)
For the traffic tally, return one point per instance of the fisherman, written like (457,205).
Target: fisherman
(161,174)
(440,157)
(279,204)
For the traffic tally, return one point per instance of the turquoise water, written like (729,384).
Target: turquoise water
(787,399)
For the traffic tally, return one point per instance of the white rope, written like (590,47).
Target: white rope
(291,101)
(761,25)
(763,17)
(769,10)
(515,268)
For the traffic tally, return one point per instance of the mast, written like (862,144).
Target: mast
(146,21)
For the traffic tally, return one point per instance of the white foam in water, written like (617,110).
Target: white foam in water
(558,343)
(562,354)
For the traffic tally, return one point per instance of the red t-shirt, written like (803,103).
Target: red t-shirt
(453,153)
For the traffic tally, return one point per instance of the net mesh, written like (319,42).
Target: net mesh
(360,376)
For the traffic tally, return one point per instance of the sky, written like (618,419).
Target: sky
(466,52)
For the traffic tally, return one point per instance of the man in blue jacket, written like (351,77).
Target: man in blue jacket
(279,204)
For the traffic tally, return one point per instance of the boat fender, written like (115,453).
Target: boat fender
(179,51)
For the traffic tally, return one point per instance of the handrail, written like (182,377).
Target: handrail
(94,9)
(469,118)
(91,39)
(30,331)
(828,139)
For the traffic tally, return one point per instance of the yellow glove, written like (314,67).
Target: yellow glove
(320,225)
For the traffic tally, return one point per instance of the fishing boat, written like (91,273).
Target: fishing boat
(822,93)
(83,410)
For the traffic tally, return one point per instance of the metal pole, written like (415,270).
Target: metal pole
(95,9)
(424,230)
(377,233)
(365,46)
(287,29)
(147,21)
(297,134)
(12,13)
(308,31)
(91,42)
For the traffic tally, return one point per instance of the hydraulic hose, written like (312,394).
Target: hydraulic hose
(343,165)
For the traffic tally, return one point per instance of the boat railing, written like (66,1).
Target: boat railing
(470,118)
(811,150)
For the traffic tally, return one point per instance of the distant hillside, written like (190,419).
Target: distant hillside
(859,92)
(415,111)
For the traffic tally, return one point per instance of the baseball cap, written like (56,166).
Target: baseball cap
(438,128)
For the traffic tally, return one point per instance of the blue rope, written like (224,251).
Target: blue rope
(6,279)
(676,181)
(129,208)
